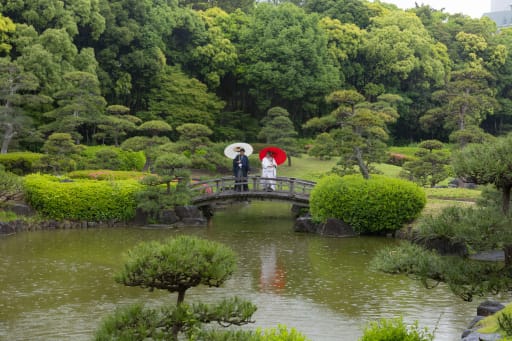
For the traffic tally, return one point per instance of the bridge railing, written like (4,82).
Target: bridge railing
(254,182)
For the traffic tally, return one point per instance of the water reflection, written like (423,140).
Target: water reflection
(58,285)
(272,275)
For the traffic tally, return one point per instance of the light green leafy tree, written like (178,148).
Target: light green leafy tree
(179,99)
(215,58)
(7,27)
(284,60)
(76,16)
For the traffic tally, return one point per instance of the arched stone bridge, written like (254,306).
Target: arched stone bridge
(222,190)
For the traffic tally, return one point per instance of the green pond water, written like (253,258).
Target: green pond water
(58,285)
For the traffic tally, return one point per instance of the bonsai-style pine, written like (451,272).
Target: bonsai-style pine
(176,265)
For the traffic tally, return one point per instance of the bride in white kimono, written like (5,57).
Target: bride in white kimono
(268,170)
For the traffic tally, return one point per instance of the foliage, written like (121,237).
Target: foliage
(171,167)
(431,165)
(324,147)
(102,174)
(172,170)
(395,330)
(176,265)
(278,130)
(505,323)
(500,322)
(149,145)
(20,163)
(235,126)
(281,333)
(480,228)
(58,198)
(488,163)
(179,99)
(377,204)
(111,157)
(465,278)
(6,216)
(139,323)
(61,154)
(150,198)
(358,128)
(17,94)
(155,127)
(10,185)
(116,124)
(273,71)
(80,106)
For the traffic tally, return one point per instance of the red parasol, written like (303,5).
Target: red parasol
(278,154)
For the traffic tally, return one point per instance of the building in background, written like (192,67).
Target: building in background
(501,12)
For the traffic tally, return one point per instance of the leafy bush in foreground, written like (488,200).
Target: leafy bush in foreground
(395,330)
(373,205)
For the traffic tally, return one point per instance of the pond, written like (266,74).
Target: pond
(58,285)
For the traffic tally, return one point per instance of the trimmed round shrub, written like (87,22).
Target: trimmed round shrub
(377,204)
(20,163)
(81,200)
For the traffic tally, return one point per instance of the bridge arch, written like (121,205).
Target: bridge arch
(222,190)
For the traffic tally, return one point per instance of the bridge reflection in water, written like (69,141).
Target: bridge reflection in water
(222,190)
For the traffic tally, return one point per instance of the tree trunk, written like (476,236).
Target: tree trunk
(181,296)
(360,163)
(289,161)
(8,135)
(507,249)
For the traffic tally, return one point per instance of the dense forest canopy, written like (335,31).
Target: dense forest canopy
(67,64)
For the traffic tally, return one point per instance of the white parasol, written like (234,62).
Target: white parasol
(232,150)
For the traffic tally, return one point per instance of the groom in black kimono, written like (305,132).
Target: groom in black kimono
(240,170)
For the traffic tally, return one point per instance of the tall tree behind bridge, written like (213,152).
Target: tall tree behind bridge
(278,129)
(358,127)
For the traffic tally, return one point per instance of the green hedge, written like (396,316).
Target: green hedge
(377,204)
(106,174)
(87,200)
(20,163)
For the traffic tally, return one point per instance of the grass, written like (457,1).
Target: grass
(458,194)
(306,168)
(409,150)
(309,168)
